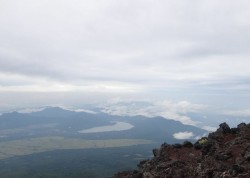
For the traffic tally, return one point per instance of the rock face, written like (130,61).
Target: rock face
(225,153)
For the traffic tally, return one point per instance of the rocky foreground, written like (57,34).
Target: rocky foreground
(224,153)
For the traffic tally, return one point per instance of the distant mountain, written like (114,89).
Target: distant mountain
(55,142)
(61,122)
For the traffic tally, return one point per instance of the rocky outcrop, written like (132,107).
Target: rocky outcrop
(225,153)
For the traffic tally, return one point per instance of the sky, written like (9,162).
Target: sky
(80,52)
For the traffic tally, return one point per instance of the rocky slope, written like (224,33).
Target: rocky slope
(224,153)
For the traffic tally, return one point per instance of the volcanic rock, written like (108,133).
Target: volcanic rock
(223,154)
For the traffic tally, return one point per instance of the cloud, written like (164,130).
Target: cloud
(183,135)
(171,110)
(238,113)
(209,128)
(137,43)
(30,110)
(74,52)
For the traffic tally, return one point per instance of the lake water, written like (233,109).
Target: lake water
(118,126)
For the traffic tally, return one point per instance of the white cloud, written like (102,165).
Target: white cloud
(183,135)
(135,43)
(238,113)
(168,109)
(30,110)
(84,110)
(209,128)
(141,47)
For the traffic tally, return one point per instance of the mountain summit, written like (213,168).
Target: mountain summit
(224,153)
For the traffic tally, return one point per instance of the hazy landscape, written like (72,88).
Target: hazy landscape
(79,136)
(89,87)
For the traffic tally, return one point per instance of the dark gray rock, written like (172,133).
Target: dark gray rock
(237,169)
(187,144)
(177,145)
(156,152)
(222,157)
(224,128)
(241,125)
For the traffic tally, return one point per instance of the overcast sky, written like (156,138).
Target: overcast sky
(78,51)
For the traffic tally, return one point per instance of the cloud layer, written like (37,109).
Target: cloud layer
(238,113)
(136,45)
(70,52)
(183,135)
(170,110)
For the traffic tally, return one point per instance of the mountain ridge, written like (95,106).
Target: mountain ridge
(40,143)
(224,153)
(69,123)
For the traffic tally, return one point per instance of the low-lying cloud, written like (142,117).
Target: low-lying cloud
(171,110)
(209,128)
(183,135)
(238,113)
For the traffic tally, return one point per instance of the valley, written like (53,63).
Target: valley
(42,144)
(56,142)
